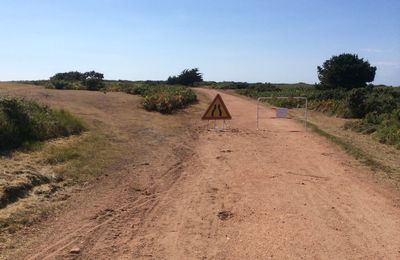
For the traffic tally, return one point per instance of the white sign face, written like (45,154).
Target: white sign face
(281,112)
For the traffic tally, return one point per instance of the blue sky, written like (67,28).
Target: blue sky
(254,40)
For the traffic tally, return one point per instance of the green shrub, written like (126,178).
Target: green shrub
(167,99)
(388,131)
(24,121)
(61,84)
(91,80)
(139,90)
(362,101)
(157,95)
(330,107)
(356,102)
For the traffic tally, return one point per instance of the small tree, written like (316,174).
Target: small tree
(93,80)
(172,80)
(187,77)
(66,80)
(346,71)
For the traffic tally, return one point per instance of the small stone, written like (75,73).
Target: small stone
(75,250)
(225,215)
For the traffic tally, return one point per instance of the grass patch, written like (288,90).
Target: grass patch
(62,154)
(84,158)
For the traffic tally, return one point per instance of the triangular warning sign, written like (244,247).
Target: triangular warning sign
(217,110)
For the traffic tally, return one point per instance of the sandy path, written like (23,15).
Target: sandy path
(285,193)
(293,195)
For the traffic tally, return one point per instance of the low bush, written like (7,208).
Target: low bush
(62,84)
(23,121)
(363,101)
(330,106)
(91,80)
(167,99)
(157,96)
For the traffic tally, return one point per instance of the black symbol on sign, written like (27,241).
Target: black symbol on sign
(219,110)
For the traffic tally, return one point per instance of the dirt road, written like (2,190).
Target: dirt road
(279,193)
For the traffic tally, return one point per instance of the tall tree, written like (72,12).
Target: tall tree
(346,71)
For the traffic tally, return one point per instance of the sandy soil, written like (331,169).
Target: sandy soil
(279,193)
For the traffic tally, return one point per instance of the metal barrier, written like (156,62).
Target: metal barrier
(265,98)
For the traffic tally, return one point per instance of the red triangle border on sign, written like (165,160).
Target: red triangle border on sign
(217,97)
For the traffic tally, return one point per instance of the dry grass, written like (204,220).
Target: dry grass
(64,162)
(119,132)
(381,158)
(82,159)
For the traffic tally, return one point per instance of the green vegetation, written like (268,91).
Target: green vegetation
(383,127)
(376,108)
(23,121)
(329,101)
(187,78)
(342,92)
(237,85)
(76,80)
(158,97)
